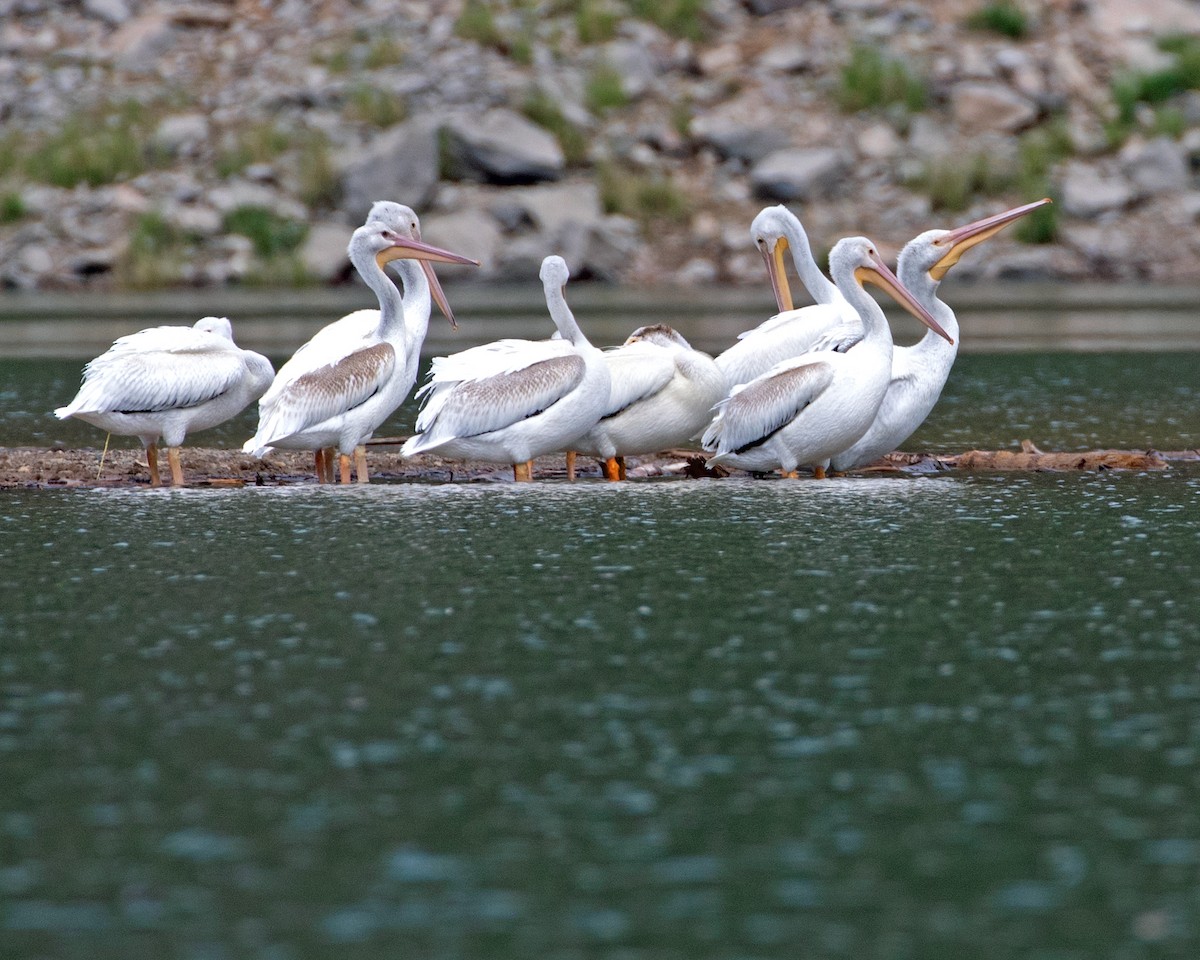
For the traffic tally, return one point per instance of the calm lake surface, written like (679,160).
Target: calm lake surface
(898,717)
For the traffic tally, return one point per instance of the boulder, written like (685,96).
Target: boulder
(979,105)
(112,12)
(806,173)
(501,147)
(471,233)
(182,134)
(552,207)
(400,164)
(1155,166)
(1087,193)
(139,44)
(323,252)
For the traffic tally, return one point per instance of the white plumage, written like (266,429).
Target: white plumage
(791,332)
(919,372)
(662,394)
(164,382)
(342,384)
(804,410)
(514,400)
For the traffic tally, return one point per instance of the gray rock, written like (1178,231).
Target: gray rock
(633,62)
(194,220)
(800,174)
(503,147)
(732,137)
(1088,193)
(182,134)
(471,233)
(323,252)
(980,105)
(241,193)
(400,164)
(550,208)
(878,142)
(602,250)
(138,45)
(1153,167)
(112,12)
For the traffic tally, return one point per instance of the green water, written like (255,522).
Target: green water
(938,717)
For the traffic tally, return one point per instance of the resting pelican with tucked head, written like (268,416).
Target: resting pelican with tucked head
(167,381)
(791,332)
(342,389)
(919,372)
(513,400)
(804,410)
(662,394)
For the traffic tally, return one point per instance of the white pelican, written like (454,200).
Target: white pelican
(804,410)
(167,381)
(513,400)
(790,332)
(344,383)
(919,372)
(662,395)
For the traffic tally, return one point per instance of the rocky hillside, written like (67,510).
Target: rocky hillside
(161,143)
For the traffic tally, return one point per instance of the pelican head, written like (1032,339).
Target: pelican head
(858,254)
(218,325)
(943,248)
(403,221)
(768,232)
(554,273)
(660,335)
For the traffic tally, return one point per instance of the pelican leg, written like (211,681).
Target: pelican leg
(523,472)
(344,464)
(570,464)
(360,464)
(152,461)
(621,468)
(788,474)
(612,469)
(818,472)
(319,463)
(176,467)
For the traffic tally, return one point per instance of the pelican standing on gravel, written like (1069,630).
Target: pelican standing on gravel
(774,231)
(919,372)
(662,394)
(164,382)
(804,410)
(342,389)
(514,400)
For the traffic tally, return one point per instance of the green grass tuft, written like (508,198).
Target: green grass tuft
(12,207)
(604,91)
(376,107)
(595,22)
(643,197)
(95,148)
(542,109)
(1003,17)
(256,143)
(680,18)
(271,234)
(153,256)
(872,79)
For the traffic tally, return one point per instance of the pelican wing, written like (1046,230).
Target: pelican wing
(333,342)
(174,373)
(636,371)
(472,407)
(838,339)
(754,411)
(326,392)
(783,336)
